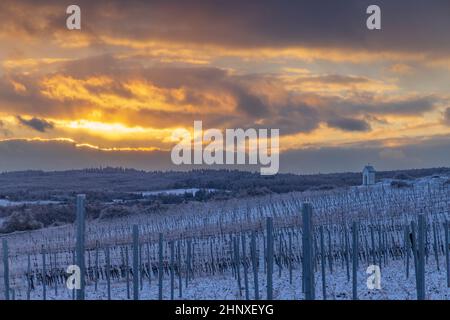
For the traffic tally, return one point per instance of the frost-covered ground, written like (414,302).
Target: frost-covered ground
(177,192)
(212,226)
(7,203)
(394,286)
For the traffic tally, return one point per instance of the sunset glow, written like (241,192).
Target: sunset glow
(131,76)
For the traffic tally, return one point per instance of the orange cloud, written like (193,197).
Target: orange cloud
(401,68)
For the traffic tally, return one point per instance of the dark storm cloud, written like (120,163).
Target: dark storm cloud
(250,104)
(205,88)
(200,84)
(53,155)
(433,152)
(297,116)
(407,25)
(414,106)
(447,116)
(369,105)
(104,64)
(335,79)
(348,124)
(294,115)
(32,101)
(37,124)
(3,130)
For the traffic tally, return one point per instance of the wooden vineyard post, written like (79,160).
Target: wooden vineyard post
(413,240)
(127,271)
(447,256)
(421,258)
(213,265)
(141,269)
(254,265)
(385,249)
(172,265)
(50,264)
(149,266)
(380,246)
(80,244)
(264,244)
(347,253)
(55,265)
(244,256)
(135,262)
(355,260)
(372,242)
(237,263)
(280,253)
(6,267)
(108,272)
(290,255)
(232,256)
(96,267)
(435,246)
(308,267)
(160,267)
(315,250)
(342,248)
(330,249)
(366,249)
(89,273)
(28,277)
(44,276)
(407,250)
(74,261)
(322,264)
(269,249)
(180,286)
(426,244)
(188,261)
(192,262)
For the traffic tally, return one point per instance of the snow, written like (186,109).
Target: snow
(7,203)
(394,286)
(214,222)
(178,192)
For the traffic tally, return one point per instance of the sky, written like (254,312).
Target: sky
(113,93)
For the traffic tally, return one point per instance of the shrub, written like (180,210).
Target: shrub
(111,212)
(402,176)
(400,184)
(20,221)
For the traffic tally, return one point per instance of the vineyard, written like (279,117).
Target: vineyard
(310,245)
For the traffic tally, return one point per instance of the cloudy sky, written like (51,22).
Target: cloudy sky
(113,92)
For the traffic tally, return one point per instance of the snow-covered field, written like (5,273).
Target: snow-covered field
(394,286)
(203,236)
(177,192)
(7,203)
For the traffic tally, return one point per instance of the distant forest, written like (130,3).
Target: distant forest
(115,192)
(114,183)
